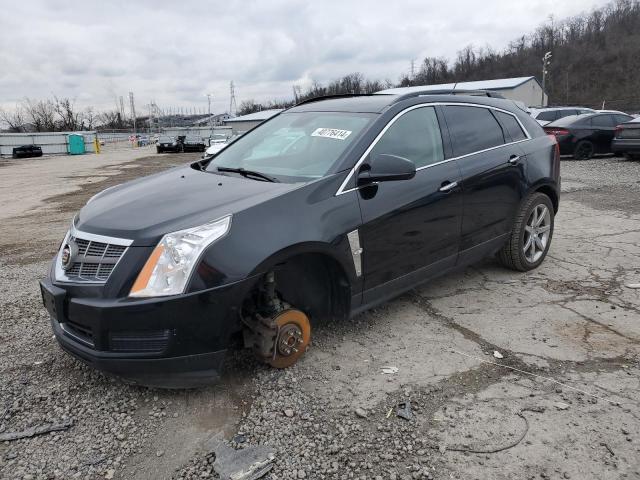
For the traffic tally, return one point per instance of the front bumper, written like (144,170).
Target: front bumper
(177,341)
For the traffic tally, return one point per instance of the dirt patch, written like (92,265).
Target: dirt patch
(622,198)
(73,201)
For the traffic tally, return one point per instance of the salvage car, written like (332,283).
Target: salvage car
(216,143)
(585,135)
(325,210)
(193,143)
(167,144)
(25,151)
(626,140)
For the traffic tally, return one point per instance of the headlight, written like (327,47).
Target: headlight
(169,267)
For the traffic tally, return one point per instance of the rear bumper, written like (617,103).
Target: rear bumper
(177,341)
(625,145)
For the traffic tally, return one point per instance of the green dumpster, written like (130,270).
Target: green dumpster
(76,144)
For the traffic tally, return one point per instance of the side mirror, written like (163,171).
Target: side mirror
(384,167)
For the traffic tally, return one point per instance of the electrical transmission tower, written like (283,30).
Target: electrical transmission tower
(121,108)
(233,108)
(133,111)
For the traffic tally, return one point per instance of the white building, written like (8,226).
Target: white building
(247,122)
(524,89)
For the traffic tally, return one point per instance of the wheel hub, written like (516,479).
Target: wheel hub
(289,339)
(537,233)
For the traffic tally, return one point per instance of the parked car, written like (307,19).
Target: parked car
(193,143)
(585,135)
(545,116)
(26,151)
(216,143)
(626,140)
(167,144)
(376,194)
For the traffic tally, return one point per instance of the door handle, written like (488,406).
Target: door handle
(447,187)
(513,159)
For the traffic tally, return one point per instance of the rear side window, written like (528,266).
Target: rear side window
(415,136)
(548,116)
(566,113)
(511,124)
(472,129)
(602,121)
(621,119)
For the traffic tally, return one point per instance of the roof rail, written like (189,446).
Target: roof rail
(449,91)
(328,97)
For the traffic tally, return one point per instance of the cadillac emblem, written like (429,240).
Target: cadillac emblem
(69,252)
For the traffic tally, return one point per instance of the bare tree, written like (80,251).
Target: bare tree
(69,120)
(41,114)
(89,118)
(14,119)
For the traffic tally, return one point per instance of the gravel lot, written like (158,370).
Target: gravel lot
(561,402)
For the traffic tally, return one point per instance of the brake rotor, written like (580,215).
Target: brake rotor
(292,341)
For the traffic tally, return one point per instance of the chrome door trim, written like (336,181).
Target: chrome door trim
(351,173)
(356,251)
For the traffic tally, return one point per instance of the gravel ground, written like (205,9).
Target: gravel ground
(560,402)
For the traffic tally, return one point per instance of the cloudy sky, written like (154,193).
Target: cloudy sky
(176,51)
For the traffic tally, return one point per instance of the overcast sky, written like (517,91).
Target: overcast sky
(177,51)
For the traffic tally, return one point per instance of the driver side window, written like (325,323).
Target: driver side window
(414,136)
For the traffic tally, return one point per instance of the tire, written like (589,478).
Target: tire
(584,150)
(513,254)
(158,150)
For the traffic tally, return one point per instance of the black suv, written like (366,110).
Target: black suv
(193,143)
(323,211)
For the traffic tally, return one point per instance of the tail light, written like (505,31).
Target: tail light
(556,132)
(619,128)
(556,160)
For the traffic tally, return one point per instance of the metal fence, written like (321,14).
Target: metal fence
(53,143)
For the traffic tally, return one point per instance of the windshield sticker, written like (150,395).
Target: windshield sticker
(331,133)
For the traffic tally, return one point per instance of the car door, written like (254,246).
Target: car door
(493,169)
(603,130)
(410,228)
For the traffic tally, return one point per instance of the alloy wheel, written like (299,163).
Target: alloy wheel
(584,151)
(537,232)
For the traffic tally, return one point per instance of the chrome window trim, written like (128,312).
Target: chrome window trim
(342,190)
(59,273)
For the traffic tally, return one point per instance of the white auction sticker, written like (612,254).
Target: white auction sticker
(331,133)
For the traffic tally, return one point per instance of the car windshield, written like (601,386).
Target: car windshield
(295,146)
(165,139)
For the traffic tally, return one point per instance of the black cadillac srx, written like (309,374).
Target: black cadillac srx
(325,210)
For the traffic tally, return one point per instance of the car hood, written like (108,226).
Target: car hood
(145,209)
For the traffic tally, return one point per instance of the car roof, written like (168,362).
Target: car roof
(550,109)
(378,103)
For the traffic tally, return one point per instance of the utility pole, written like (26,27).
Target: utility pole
(209,97)
(546,60)
(232,100)
(413,69)
(133,112)
(121,108)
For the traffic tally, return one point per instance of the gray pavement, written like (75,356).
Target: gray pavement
(562,402)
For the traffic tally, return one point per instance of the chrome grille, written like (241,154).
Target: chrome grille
(95,259)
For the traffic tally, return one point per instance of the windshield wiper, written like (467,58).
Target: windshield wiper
(248,173)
